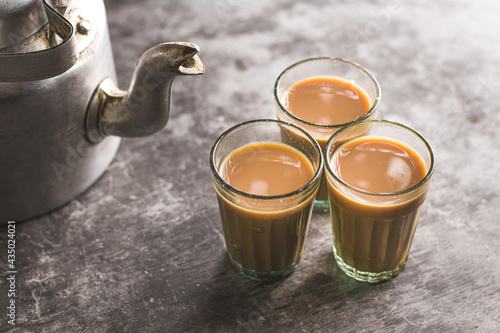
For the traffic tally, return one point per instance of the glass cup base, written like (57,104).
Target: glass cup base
(263,276)
(321,206)
(372,277)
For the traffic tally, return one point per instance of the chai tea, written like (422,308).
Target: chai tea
(270,240)
(266,168)
(375,210)
(327,101)
(378,165)
(266,174)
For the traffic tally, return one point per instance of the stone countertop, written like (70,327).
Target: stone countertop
(142,250)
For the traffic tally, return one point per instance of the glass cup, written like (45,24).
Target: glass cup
(265,235)
(324,67)
(373,232)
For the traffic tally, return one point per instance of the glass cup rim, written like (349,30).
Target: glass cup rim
(374,106)
(393,123)
(215,172)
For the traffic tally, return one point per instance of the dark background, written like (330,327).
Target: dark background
(142,250)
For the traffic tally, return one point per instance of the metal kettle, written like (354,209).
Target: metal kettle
(61,113)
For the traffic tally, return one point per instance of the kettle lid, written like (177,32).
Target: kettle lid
(41,64)
(20,19)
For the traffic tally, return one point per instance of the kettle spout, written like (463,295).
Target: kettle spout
(145,108)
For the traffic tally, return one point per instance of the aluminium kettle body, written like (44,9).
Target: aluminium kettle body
(61,114)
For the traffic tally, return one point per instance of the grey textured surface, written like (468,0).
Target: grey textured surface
(142,250)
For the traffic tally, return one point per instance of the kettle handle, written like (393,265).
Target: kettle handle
(46,63)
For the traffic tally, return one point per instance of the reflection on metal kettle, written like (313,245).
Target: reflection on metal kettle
(61,114)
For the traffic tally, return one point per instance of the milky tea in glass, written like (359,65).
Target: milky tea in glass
(266,174)
(322,95)
(378,174)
